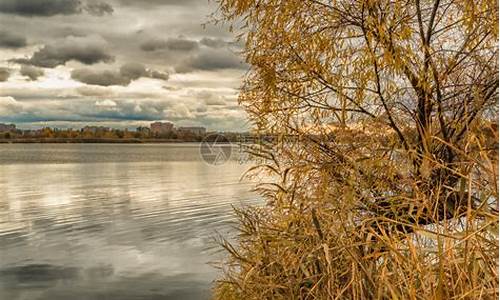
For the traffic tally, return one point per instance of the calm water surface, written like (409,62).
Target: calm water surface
(114,222)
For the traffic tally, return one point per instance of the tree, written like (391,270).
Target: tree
(47,132)
(409,91)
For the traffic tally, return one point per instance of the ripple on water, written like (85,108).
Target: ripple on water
(113,221)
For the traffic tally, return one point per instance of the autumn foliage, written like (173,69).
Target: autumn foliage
(389,187)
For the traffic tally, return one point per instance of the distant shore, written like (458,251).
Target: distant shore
(91,141)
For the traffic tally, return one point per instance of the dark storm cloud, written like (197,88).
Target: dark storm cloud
(133,71)
(45,8)
(4,74)
(175,44)
(211,60)
(153,45)
(48,8)
(127,73)
(31,72)
(180,44)
(99,8)
(152,3)
(213,43)
(85,50)
(103,78)
(11,40)
(68,31)
(159,75)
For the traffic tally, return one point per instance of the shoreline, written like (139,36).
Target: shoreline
(92,141)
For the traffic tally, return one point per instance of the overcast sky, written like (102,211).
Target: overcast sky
(119,63)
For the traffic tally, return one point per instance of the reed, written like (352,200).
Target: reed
(315,240)
(389,187)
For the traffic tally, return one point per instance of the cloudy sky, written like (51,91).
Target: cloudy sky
(119,63)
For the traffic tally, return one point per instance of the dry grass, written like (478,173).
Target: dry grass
(319,238)
(390,189)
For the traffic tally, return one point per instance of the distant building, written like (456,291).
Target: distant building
(162,127)
(7,127)
(192,130)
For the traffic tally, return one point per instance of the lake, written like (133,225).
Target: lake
(113,221)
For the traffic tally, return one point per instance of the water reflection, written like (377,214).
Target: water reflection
(112,221)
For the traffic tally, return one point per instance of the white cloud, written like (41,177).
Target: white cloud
(105,103)
(9,106)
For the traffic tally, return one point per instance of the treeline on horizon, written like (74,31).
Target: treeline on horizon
(111,135)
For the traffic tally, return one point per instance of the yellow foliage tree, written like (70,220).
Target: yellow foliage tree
(388,188)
